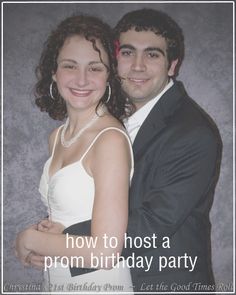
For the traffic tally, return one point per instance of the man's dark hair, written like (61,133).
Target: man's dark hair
(159,23)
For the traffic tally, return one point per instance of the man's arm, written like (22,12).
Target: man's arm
(185,172)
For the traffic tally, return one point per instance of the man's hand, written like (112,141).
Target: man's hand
(46,225)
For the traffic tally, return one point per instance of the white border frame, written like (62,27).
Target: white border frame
(233,70)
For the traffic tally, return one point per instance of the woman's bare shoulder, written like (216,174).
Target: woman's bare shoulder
(52,138)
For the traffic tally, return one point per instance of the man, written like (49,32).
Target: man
(177,153)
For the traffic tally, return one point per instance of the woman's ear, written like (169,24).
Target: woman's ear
(54,78)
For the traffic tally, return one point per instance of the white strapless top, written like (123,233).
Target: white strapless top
(69,193)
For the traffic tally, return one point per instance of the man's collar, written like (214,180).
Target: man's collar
(140,115)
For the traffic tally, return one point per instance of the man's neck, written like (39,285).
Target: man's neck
(140,104)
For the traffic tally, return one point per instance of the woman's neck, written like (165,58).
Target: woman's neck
(78,119)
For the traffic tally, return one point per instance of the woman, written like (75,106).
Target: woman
(87,175)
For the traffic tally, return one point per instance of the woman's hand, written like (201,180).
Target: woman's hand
(21,250)
(35,260)
(26,255)
(46,225)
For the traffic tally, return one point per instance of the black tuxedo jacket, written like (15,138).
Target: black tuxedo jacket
(177,154)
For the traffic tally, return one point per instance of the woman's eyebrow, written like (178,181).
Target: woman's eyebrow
(75,62)
(95,62)
(67,60)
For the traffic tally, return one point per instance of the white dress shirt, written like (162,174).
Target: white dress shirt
(134,122)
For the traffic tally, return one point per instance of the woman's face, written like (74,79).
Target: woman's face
(81,76)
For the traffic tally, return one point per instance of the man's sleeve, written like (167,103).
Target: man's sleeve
(80,229)
(185,172)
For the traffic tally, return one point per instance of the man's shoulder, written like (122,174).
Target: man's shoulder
(196,117)
(190,113)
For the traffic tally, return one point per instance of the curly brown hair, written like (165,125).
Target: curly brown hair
(92,29)
(160,23)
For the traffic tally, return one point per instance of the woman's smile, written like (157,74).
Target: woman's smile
(80,92)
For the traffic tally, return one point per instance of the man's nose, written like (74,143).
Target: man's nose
(138,63)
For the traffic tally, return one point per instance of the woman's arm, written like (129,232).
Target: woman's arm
(109,164)
(43,225)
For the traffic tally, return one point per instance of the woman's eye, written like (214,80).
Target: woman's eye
(69,66)
(96,69)
(72,67)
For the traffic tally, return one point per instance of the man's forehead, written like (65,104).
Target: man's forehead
(142,39)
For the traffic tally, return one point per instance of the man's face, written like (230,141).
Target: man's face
(143,65)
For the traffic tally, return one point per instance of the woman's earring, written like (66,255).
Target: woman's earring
(50,90)
(109,92)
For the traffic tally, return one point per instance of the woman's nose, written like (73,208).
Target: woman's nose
(81,77)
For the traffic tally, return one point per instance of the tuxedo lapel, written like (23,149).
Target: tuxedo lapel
(153,124)
(158,117)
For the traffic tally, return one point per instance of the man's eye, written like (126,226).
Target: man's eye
(153,54)
(126,52)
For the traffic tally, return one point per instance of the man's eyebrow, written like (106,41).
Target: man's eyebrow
(131,47)
(155,49)
(127,46)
